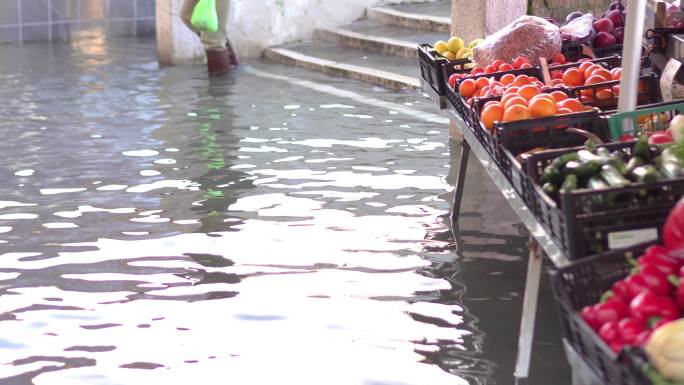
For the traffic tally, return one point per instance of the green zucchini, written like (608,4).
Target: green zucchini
(569,184)
(613,177)
(582,170)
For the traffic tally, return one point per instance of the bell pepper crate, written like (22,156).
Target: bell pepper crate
(461,105)
(515,138)
(587,222)
(431,63)
(645,119)
(604,97)
(580,284)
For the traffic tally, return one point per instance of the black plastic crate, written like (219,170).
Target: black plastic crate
(581,284)
(650,93)
(583,221)
(431,64)
(515,138)
(571,51)
(609,51)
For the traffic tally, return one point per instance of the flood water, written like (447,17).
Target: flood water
(271,226)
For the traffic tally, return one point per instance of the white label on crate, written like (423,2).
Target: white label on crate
(622,239)
(667,79)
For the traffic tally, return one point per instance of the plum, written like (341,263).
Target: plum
(617,18)
(619,34)
(604,40)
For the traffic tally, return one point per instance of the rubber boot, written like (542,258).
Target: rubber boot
(231,53)
(218,61)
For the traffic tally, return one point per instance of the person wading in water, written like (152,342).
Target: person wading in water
(220,55)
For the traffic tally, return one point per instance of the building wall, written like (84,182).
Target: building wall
(53,20)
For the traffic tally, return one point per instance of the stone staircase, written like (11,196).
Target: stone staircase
(379,49)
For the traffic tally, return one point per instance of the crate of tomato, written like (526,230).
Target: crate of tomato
(431,68)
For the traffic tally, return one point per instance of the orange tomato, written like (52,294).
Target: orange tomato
(604,94)
(602,72)
(516,100)
(506,97)
(467,88)
(573,78)
(543,96)
(482,83)
(491,102)
(529,91)
(616,90)
(521,80)
(557,82)
(585,65)
(516,112)
(616,73)
(590,69)
(542,107)
(492,113)
(564,111)
(507,79)
(559,95)
(511,90)
(572,104)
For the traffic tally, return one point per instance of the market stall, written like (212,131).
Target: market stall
(577,127)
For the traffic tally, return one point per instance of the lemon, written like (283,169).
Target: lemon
(462,52)
(441,47)
(450,55)
(455,43)
(474,43)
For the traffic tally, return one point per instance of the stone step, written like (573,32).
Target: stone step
(382,69)
(431,16)
(379,37)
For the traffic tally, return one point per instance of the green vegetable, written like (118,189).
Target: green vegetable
(643,174)
(613,177)
(550,189)
(632,164)
(569,184)
(641,148)
(674,154)
(551,174)
(596,183)
(582,170)
(670,170)
(561,161)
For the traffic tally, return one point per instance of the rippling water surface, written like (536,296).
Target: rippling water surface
(160,227)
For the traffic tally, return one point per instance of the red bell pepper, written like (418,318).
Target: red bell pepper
(629,329)
(661,137)
(588,314)
(673,232)
(648,305)
(609,332)
(635,285)
(657,256)
(620,291)
(643,337)
(679,296)
(655,280)
(612,310)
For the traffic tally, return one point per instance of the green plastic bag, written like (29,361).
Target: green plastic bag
(204,16)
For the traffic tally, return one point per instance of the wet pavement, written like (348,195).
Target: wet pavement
(271,226)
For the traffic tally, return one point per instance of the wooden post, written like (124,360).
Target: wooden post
(478,19)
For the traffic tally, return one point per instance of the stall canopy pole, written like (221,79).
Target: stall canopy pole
(631,55)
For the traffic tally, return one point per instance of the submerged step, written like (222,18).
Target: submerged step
(379,37)
(426,16)
(381,69)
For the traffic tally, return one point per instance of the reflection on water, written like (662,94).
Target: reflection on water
(160,226)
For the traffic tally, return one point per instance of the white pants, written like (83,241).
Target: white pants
(210,40)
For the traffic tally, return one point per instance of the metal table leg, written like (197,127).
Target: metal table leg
(460,181)
(529,312)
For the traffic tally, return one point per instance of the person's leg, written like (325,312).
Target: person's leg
(218,55)
(186,14)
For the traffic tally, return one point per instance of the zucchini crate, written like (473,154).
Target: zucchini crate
(587,222)
(646,119)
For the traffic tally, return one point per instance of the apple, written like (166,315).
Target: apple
(603,25)
(556,74)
